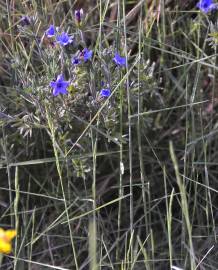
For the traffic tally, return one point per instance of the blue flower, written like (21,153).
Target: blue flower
(78,15)
(105,92)
(50,32)
(75,61)
(59,86)
(87,54)
(206,5)
(63,39)
(120,61)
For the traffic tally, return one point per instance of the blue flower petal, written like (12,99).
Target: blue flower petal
(87,54)
(63,90)
(60,78)
(50,32)
(121,61)
(55,91)
(105,92)
(65,84)
(59,86)
(52,84)
(206,5)
(63,39)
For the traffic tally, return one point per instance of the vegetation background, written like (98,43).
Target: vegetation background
(131,181)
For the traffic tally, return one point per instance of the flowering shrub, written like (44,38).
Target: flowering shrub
(71,82)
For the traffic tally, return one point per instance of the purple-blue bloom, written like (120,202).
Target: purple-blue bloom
(206,5)
(59,86)
(105,92)
(121,61)
(78,15)
(50,32)
(87,54)
(75,61)
(63,39)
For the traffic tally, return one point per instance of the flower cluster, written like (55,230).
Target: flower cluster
(60,86)
(6,236)
(63,38)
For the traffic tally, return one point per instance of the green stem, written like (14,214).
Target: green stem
(1,259)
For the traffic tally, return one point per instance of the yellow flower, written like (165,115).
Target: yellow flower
(6,237)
